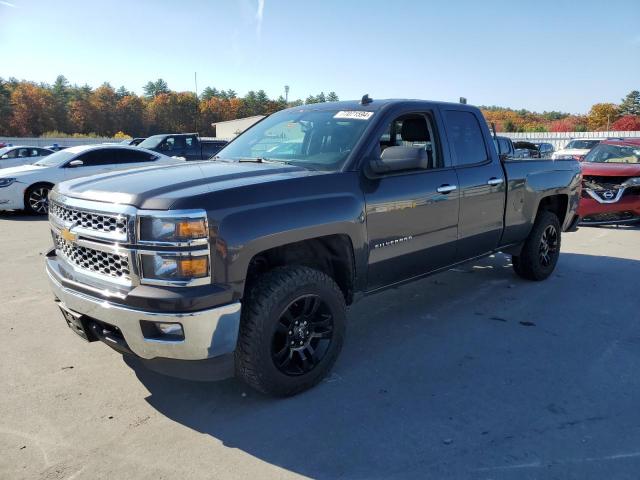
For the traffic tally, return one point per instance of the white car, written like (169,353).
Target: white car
(27,187)
(576,149)
(21,155)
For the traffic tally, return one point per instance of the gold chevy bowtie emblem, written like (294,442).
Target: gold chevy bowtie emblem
(67,235)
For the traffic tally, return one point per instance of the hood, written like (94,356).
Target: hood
(159,187)
(573,151)
(19,170)
(611,169)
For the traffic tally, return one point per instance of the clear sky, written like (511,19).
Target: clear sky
(540,55)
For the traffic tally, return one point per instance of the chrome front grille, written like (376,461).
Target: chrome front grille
(97,222)
(96,261)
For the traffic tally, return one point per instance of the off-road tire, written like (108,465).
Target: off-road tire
(261,311)
(530,264)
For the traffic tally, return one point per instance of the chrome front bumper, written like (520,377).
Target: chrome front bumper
(207,334)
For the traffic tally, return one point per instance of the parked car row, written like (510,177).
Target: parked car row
(27,187)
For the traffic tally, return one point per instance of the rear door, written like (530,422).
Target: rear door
(412,216)
(481,183)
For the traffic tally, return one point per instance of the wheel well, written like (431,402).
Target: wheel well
(37,184)
(556,204)
(332,254)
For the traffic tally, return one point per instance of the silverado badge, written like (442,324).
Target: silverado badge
(67,235)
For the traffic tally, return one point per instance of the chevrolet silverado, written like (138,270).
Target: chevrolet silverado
(246,265)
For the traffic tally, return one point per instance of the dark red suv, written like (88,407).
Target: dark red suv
(611,183)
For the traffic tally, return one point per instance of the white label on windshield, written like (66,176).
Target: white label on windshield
(354,115)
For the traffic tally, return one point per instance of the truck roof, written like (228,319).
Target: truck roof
(374,104)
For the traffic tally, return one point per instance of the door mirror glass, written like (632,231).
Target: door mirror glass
(75,163)
(396,159)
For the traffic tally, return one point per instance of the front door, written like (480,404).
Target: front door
(411,217)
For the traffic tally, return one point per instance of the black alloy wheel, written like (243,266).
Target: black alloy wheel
(548,245)
(302,336)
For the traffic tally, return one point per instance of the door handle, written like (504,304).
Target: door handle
(446,188)
(495,181)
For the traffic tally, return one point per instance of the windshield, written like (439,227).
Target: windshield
(604,153)
(582,144)
(5,150)
(316,139)
(55,159)
(151,142)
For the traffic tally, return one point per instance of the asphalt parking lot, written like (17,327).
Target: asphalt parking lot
(472,373)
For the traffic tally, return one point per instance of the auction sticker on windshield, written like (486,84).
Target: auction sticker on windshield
(354,115)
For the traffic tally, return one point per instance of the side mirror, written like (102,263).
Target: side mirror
(5,156)
(396,159)
(75,163)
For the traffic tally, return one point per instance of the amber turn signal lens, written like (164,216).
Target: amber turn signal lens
(193,267)
(192,228)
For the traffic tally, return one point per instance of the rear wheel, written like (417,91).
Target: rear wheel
(36,199)
(292,330)
(541,251)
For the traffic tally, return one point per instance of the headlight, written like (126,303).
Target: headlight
(170,267)
(5,182)
(632,182)
(180,229)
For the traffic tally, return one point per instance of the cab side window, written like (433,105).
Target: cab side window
(415,130)
(168,145)
(466,137)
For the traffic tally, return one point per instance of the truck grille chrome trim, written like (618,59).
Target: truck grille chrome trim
(103,263)
(115,226)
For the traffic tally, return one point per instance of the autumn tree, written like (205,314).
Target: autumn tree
(173,112)
(130,115)
(628,123)
(5,107)
(630,104)
(32,110)
(568,124)
(103,102)
(602,115)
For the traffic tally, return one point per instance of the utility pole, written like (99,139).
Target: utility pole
(195,80)
(286,93)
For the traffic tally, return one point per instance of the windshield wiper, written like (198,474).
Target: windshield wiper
(260,160)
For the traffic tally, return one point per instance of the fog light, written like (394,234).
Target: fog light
(162,330)
(170,328)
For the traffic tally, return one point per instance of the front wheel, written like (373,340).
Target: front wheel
(541,251)
(36,199)
(291,332)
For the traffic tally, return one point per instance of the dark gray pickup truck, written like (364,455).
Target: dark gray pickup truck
(246,264)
